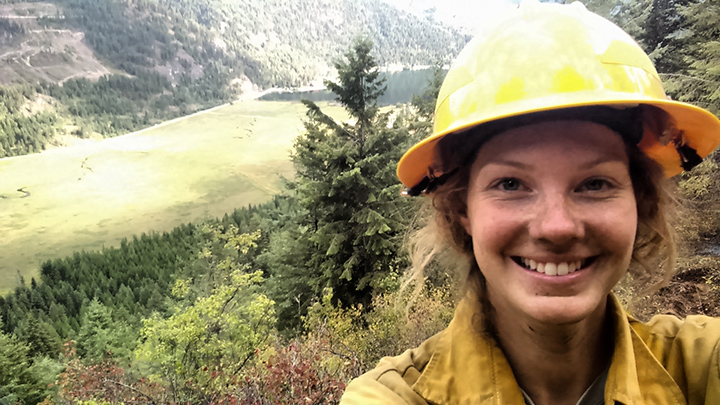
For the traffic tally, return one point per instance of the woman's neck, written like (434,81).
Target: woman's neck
(555,364)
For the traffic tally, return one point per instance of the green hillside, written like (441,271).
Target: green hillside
(271,43)
(105,68)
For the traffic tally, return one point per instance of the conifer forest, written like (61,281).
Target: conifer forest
(283,302)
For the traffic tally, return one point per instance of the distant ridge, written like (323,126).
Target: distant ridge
(270,43)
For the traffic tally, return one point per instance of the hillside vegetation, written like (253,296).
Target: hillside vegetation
(105,68)
(287,301)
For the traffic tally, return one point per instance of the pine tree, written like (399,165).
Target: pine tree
(100,336)
(662,37)
(359,88)
(22,380)
(699,83)
(40,337)
(348,232)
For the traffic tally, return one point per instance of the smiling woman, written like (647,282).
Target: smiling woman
(548,174)
(532,222)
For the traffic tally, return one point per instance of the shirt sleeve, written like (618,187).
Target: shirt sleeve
(712,390)
(369,391)
(690,351)
(384,385)
(391,382)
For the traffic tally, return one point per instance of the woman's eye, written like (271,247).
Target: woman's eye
(509,184)
(595,185)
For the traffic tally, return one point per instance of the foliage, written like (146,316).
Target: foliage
(294,374)
(660,34)
(20,131)
(99,298)
(101,336)
(23,379)
(104,382)
(360,86)
(291,51)
(201,349)
(128,280)
(40,337)
(348,232)
(174,57)
(393,323)
(342,343)
(698,81)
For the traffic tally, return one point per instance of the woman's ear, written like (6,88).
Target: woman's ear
(465,221)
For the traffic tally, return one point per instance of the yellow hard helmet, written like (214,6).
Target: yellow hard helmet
(546,57)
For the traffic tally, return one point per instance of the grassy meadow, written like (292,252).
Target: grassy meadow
(91,195)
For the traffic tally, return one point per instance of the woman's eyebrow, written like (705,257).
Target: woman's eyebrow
(610,158)
(511,163)
(603,159)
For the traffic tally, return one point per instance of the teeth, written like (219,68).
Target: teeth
(552,269)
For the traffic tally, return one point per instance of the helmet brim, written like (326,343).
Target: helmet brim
(700,130)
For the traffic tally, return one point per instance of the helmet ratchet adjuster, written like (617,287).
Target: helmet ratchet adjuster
(428,184)
(689,157)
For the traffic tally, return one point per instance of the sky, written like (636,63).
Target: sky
(461,13)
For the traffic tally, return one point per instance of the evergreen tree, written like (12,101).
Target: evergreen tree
(662,37)
(40,337)
(359,88)
(699,82)
(352,218)
(421,123)
(17,382)
(101,337)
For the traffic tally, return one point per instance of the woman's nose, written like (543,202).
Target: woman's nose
(557,220)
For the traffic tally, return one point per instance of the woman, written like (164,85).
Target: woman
(552,142)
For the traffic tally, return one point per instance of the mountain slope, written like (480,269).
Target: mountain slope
(268,42)
(106,67)
(31,52)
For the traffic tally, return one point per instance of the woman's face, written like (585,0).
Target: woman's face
(552,216)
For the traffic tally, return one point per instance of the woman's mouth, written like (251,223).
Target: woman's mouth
(554,269)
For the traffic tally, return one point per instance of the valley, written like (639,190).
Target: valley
(95,193)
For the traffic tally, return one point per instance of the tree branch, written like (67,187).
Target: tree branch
(152,400)
(315,112)
(687,77)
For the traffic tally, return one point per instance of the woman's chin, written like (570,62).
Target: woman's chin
(564,310)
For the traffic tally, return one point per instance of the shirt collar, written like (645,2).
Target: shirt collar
(469,367)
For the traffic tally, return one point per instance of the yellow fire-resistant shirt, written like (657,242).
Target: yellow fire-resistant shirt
(664,361)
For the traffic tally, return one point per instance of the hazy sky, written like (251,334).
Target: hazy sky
(466,13)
